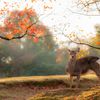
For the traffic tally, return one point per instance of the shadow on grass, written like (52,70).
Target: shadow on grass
(46,83)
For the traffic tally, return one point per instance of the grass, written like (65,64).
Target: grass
(69,94)
(48,88)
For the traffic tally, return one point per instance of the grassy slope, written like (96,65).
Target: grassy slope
(69,94)
(22,88)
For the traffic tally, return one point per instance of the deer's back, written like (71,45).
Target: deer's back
(85,63)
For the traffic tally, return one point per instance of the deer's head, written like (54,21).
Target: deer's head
(73,53)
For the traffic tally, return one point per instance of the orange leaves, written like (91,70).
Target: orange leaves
(65,29)
(84,36)
(97,43)
(94,38)
(30,37)
(90,42)
(61,42)
(17,22)
(87,11)
(18,6)
(59,59)
(81,30)
(32,1)
(36,31)
(86,52)
(10,36)
(39,33)
(11,13)
(48,45)
(50,1)
(50,7)
(25,21)
(74,35)
(54,37)
(55,30)
(32,30)
(68,24)
(35,39)
(47,7)
(82,53)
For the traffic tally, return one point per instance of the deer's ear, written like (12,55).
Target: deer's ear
(68,50)
(78,50)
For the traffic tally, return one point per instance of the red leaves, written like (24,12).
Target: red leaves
(25,20)
(32,30)
(10,36)
(19,21)
(36,32)
(35,39)
(30,37)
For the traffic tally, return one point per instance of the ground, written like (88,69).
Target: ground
(49,88)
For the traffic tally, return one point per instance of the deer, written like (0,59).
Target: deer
(77,67)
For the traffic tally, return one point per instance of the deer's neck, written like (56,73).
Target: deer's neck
(71,63)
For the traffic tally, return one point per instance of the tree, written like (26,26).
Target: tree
(83,8)
(18,55)
(87,8)
(18,24)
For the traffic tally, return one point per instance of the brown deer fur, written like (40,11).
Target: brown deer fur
(77,67)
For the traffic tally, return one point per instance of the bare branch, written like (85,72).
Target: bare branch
(97,6)
(80,43)
(46,35)
(89,2)
(82,13)
(83,5)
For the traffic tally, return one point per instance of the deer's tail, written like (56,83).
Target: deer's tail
(98,61)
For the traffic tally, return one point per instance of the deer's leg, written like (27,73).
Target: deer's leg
(78,78)
(71,81)
(96,69)
(98,75)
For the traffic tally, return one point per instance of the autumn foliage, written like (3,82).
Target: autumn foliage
(18,23)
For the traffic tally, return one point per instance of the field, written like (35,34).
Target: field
(49,88)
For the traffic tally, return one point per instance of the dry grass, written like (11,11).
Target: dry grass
(43,78)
